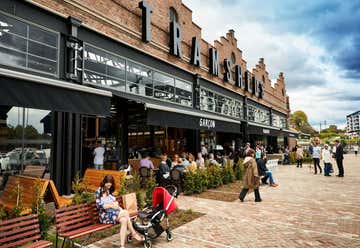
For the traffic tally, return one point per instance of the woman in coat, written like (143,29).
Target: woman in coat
(299,156)
(251,176)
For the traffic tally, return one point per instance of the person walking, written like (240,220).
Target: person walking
(299,156)
(356,149)
(251,177)
(99,156)
(317,156)
(339,156)
(326,156)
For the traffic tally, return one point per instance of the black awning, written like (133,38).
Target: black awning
(161,118)
(251,129)
(290,134)
(23,93)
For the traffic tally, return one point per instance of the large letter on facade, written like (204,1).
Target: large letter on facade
(261,90)
(238,76)
(227,68)
(146,20)
(254,86)
(214,61)
(247,81)
(195,52)
(175,39)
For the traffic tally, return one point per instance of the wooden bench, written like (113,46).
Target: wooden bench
(34,171)
(27,185)
(82,219)
(93,178)
(24,231)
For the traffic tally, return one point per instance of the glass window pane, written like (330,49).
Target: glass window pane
(96,55)
(12,25)
(42,64)
(139,74)
(42,51)
(13,42)
(12,58)
(95,67)
(43,36)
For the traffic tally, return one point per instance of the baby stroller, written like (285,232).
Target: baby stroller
(163,204)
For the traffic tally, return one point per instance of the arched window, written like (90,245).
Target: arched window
(173,15)
(233,58)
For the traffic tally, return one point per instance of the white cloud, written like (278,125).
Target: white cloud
(314,83)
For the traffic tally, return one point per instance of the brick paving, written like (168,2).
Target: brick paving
(306,210)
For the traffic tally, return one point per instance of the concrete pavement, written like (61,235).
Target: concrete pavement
(306,210)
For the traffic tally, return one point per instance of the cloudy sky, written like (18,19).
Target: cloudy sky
(315,43)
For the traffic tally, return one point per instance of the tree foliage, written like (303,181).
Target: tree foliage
(299,121)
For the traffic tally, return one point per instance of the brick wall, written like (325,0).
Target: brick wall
(121,20)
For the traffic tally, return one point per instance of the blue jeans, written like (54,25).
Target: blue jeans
(327,168)
(269,175)
(98,166)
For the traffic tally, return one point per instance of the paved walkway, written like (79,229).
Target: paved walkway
(306,210)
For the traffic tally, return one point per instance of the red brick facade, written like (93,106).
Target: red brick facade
(121,20)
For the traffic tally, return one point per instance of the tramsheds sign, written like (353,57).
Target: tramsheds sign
(256,88)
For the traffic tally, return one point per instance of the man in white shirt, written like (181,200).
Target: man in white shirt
(356,149)
(326,156)
(99,156)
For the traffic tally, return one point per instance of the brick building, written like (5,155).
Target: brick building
(136,75)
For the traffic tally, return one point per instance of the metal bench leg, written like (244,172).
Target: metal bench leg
(63,243)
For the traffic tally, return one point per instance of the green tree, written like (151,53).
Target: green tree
(299,121)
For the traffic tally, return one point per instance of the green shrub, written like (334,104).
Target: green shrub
(38,207)
(150,185)
(81,192)
(140,199)
(239,170)
(200,181)
(189,183)
(17,194)
(292,157)
(214,176)
(3,213)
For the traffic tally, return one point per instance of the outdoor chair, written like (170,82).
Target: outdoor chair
(144,175)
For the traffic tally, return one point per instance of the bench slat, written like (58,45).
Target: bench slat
(30,233)
(73,227)
(19,224)
(86,230)
(23,241)
(26,217)
(18,230)
(38,244)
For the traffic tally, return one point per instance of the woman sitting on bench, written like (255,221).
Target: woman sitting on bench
(111,213)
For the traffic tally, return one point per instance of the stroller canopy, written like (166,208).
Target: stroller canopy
(161,195)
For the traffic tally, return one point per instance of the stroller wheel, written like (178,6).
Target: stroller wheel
(169,236)
(147,243)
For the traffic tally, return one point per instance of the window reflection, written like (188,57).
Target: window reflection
(221,104)
(34,149)
(25,45)
(108,70)
(258,114)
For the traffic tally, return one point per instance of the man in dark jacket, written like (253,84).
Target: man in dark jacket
(339,156)
(264,171)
